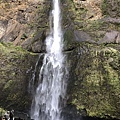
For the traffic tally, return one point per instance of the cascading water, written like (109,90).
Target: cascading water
(51,87)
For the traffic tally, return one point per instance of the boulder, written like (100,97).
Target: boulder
(110,37)
(37,44)
(11,32)
(82,36)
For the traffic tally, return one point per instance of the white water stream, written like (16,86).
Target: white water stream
(51,87)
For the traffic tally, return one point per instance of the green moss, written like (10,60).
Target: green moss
(104,6)
(68,36)
(14,78)
(8,84)
(7,48)
(96,82)
(24,36)
(2,112)
(94,75)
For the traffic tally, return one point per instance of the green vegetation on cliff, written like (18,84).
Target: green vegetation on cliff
(91,29)
(15,74)
(96,80)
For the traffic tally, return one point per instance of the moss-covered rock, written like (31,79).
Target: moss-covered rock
(16,67)
(2,112)
(94,79)
(94,70)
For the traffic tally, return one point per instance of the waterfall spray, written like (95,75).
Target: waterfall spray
(51,86)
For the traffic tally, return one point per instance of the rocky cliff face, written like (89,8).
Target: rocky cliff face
(23,25)
(95,80)
(16,67)
(92,45)
(93,42)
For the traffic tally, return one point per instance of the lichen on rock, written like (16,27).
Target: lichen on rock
(94,79)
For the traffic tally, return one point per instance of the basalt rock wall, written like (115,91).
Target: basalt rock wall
(92,45)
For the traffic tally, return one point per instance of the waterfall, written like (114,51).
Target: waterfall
(50,92)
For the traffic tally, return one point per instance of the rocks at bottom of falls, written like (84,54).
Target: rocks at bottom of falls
(71,113)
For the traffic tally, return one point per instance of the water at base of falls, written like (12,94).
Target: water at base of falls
(50,92)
